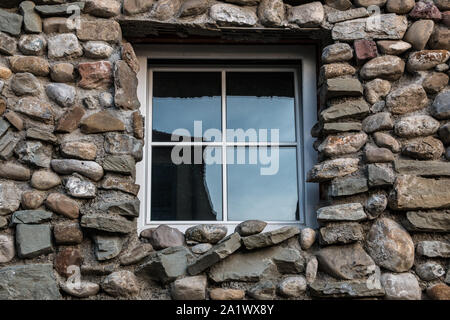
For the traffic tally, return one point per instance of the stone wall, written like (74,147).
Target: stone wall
(70,137)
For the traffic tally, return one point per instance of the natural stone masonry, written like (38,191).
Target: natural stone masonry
(71,135)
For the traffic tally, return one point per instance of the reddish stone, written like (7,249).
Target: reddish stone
(365,50)
(2,106)
(68,233)
(138,125)
(63,205)
(446,18)
(95,75)
(439,292)
(70,120)
(14,119)
(65,258)
(424,10)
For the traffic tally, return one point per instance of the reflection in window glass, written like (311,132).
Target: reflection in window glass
(264,197)
(186,191)
(261,100)
(180,98)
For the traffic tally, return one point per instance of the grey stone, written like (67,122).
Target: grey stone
(34,153)
(311,269)
(97,49)
(35,109)
(337,145)
(307,238)
(108,223)
(342,212)
(246,266)
(4,126)
(433,249)
(378,122)
(164,237)
(9,197)
(7,145)
(376,204)
(289,261)
(7,250)
(121,284)
(59,10)
(189,288)
(339,4)
(264,290)
(33,240)
(250,227)
(32,44)
(166,265)
(349,108)
(429,271)
(440,108)
(340,127)
(194,8)
(384,67)
(231,15)
(390,246)
(78,188)
(8,45)
(444,133)
(337,52)
(64,45)
(341,233)
(393,47)
(346,262)
(330,169)
(103,8)
(10,22)
(123,164)
(25,84)
(270,238)
(43,135)
(427,148)
(127,208)
(412,193)
(125,83)
(292,287)
(106,99)
(3,222)
(28,282)
(307,15)
(423,168)
(390,26)
(401,286)
(61,93)
(427,221)
(201,248)
(339,16)
(380,174)
(339,87)
(215,254)
(271,12)
(32,22)
(136,254)
(165,9)
(107,247)
(131,7)
(206,233)
(349,185)
(89,169)
(31,217)
(379,155)
(81,289)
(416,126)
(347,289)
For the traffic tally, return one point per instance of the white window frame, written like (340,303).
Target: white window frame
(306,110)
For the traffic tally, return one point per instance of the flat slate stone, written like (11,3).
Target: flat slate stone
(59,10)
(108,223)
(28,282)
(30,217)
(347,186)
(342,212)
(422,168)
(215,254)
(128,208)
(10,22)
(270,238)
(107,247)
(33,240)
(8,45)
(346,289)
(428,221)
(121,164)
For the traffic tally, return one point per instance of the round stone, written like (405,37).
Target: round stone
(31,44)
(429,271)
(376,204)
(403,286)
(226,294)
(400,6)
(250,227)
(45,180)
(121,284)
(7,251)
(32,199)
(307,238)
(292,286)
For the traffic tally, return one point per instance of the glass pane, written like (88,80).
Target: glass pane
(262,184)
(183,186)
(261,100)
(180,98)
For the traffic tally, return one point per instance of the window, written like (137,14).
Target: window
(225,137)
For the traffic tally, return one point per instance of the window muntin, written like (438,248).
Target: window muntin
(284,188)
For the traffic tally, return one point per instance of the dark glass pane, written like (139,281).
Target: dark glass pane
(186,191)
(261,100)
(271,196)
(180,98)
